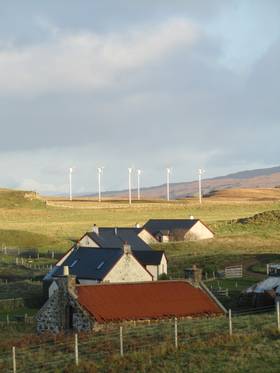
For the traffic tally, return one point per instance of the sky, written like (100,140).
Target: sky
(184,84)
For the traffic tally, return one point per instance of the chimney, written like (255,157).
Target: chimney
(65,271)
(191,217)
(127,249)
(68,282)
(137,225)
(194,275)
(95,229)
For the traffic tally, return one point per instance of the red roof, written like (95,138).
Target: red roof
(147,300)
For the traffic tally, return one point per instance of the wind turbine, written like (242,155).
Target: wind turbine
(70,183)
(168,172)
(99,173)
(200,173)
(129,184)
(138,183)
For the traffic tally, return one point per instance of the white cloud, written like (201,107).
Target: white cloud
(87,60)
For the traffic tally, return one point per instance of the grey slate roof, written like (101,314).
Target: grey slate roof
(155,226)
(107,237)
(89,263)
(152,257)
(84,262)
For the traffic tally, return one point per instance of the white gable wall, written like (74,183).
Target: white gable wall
(157,270)
(86,241)
(147,237)
(128,269)
(198,232)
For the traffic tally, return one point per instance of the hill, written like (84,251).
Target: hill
(16,199)
(259,178)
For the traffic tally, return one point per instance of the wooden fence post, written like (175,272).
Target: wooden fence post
(121,340)
(230,322)
(176,332)
(278,316)
(76,350)
(14,360)
(8,319)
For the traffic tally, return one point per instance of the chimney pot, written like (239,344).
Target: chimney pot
(65,271)
(126,248)
(95,229)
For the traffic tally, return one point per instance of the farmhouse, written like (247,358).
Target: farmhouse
(91,266)
(86,307)
(165,230)
(137,238)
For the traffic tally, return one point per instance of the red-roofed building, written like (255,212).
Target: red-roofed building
(82,307)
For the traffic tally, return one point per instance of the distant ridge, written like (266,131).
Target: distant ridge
(251,173)
(258,178)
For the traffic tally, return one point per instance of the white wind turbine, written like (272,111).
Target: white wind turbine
(70,183)
(168,172)
(200,173)
(99,174)
(129,184)
(139,172)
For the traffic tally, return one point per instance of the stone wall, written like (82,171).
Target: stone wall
(53,316)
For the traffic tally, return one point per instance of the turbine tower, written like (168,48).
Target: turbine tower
(168,171)
(200,173)
(129,184)
(138,184)
(70,183)
(99,173)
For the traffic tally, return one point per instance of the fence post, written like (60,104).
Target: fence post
(76,350)
(176,332)
(8,319)
(121,340)
(14,360)
(230,322)
(278,316)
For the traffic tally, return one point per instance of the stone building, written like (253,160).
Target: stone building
(86,307)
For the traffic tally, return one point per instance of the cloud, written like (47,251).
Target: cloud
(86,60)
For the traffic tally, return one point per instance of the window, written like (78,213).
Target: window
(100,265)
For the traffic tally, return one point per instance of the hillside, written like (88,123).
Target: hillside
(19,199)
(259,178)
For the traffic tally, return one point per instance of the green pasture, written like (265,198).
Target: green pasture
(53,227)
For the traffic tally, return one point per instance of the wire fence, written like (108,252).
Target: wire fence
(120,340)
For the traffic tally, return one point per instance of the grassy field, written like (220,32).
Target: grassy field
(33,223)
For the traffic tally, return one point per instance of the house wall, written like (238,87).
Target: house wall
(86,241)
(157,270)
(128,269)
(53,288)
(162,238)
(52,316)
(147,237)
(198,232)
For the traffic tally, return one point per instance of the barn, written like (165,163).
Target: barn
(86,307)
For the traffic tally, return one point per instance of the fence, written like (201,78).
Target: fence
(234,272)
(100,346)
(30,252)
(12,303)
